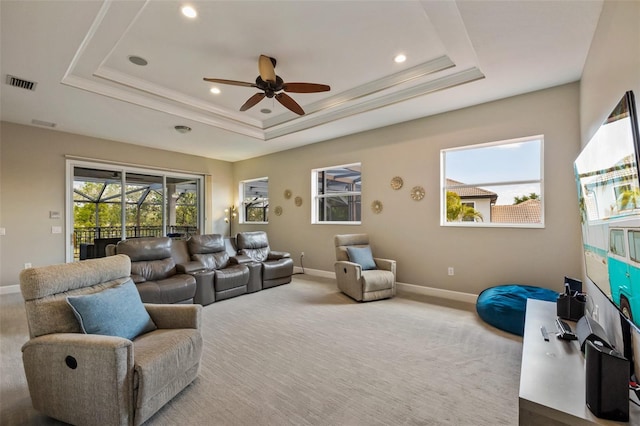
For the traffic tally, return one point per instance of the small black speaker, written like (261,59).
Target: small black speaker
(587,329)
(607,382)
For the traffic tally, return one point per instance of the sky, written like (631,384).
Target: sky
(498,163)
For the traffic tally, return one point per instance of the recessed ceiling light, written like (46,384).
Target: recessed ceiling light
(265,111)
(215,90)
(189,12)
(182,129)
(400,58)
(137,60)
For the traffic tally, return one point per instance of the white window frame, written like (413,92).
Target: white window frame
(317,197)
(444,187)
(123,168)
(242,198)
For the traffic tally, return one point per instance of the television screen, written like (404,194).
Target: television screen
(609,199)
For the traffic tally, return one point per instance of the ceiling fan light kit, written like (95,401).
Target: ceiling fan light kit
(273,86)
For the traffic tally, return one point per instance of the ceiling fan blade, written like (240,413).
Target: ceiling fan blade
(305,87)
(252,101)
(266,68)
(288,102)
(231,82)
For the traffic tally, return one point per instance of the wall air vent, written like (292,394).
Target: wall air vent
(21,83)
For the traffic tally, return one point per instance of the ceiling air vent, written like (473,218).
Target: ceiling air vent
(21,83)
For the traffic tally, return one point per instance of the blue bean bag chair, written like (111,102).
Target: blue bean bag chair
(504,306)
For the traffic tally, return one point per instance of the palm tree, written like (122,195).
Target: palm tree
(629,199)
(456,211)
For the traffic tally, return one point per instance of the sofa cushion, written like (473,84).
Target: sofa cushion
(212,260)
(177,288)
(362,256)
(116,311)
(152,248)
(231,277)
(253,244)
(152,270)
(161,359)
(203,244)
(275,269)
(376,280)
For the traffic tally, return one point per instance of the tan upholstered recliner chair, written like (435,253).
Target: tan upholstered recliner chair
(94,379)
(371,279)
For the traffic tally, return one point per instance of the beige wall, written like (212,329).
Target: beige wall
(612,68)
(32,183)
(409,231)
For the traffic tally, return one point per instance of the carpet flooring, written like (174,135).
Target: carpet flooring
(305,354)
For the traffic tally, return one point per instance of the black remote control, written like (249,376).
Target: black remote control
(564,330)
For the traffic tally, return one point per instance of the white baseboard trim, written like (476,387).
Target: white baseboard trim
(9,289)
(436,292)
(401,287)
(407,288)
(315,272)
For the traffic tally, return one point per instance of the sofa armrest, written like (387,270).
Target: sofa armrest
(346,270)
(276,255)
(137,279)
(386,264)
(240,259)
(175,316)
(71,375)
(190,267)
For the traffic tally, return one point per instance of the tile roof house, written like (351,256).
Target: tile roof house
(526,212)
(484,201)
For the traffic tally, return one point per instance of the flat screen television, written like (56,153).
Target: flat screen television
(608,187)
(609,198)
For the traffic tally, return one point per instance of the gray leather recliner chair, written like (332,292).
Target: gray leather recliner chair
(277,266)
(229,279)
(153,270)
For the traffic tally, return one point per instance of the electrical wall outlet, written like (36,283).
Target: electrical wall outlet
(27,265)
(450,271)
(301,254)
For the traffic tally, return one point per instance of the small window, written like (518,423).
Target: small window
(634,246)
(616,242)
(494,184)
(254,194)
(336,194)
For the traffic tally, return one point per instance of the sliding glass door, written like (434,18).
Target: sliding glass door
(107,203)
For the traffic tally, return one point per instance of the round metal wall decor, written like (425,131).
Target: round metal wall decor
(396,183)
(298,201)
(287,193)
(278,210)
(376,206)
(417,193)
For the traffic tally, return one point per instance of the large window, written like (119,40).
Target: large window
(493,184)
(254,194)
(336,194)
(109,202)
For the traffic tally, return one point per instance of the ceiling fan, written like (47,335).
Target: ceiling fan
(273,86)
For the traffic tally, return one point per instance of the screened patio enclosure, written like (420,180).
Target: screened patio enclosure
(148,204)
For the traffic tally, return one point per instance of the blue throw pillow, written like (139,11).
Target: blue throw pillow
(362,256)
(116,311)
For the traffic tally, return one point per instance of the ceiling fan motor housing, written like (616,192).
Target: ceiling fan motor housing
(270,88)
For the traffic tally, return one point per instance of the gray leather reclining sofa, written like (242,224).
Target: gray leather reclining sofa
(205,268)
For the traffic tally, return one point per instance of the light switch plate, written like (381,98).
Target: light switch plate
(56,229)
